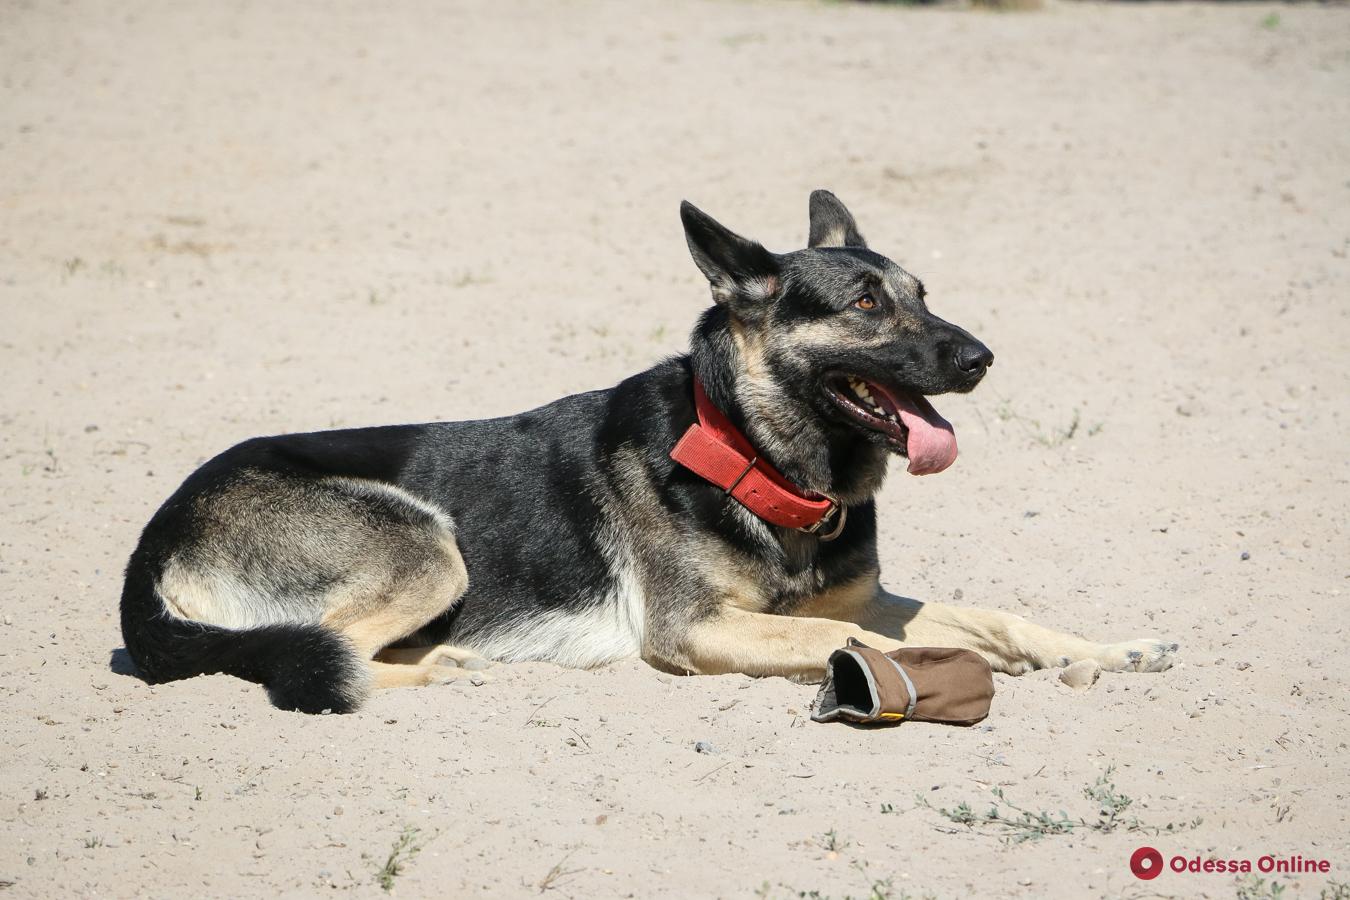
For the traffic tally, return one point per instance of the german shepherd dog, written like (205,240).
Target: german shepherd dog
(322,565)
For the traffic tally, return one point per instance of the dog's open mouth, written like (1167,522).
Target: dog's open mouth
(911,426)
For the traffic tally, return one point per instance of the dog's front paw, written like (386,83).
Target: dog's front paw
(1145,655)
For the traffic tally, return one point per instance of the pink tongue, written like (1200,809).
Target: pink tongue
(932,443)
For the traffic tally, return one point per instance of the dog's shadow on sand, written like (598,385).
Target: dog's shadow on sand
(120,663)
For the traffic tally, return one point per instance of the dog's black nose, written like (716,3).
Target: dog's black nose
(973,357)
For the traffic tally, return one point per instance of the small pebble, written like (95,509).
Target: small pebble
(704,747)
(1081,675)
(1246,556)
(477,680)
(1243,666)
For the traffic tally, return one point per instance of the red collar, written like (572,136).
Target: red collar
(713,449)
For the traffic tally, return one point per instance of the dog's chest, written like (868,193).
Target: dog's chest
(765,582)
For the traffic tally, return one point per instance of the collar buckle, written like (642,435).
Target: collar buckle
(836,509)
(741,477)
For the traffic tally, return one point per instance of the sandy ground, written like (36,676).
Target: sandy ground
(226,219)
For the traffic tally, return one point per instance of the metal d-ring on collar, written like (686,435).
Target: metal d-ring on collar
(838,528)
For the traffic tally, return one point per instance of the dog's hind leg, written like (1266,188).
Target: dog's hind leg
(419,580)
(1009,642)
(437,655)
(296,582)
(394,675)
(371,622)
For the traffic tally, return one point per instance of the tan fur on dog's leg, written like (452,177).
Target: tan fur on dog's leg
(439,655)
(390,675)
(1009,642)
(374,615)
(763,644)
(374,620)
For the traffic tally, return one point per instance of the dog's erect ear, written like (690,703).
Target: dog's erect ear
(831,223)
(739,270)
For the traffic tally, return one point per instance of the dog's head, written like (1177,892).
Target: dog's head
(838,333)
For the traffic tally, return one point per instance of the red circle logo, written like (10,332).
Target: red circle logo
(1146,863)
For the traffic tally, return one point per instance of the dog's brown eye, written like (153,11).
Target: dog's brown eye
(865,302)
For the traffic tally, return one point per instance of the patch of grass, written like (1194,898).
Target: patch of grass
(196,793)
(555,874)
(879,888)
(1016,825)
(1254,888)
(876,889)
(92,842)
(832,842)
(402,853)
(1335,890)
(1046,436)
(1271,22)
(1111,803)
(882,889)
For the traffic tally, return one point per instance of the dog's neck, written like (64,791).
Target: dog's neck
(785,430)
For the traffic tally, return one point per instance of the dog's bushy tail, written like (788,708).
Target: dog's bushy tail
(304,667)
